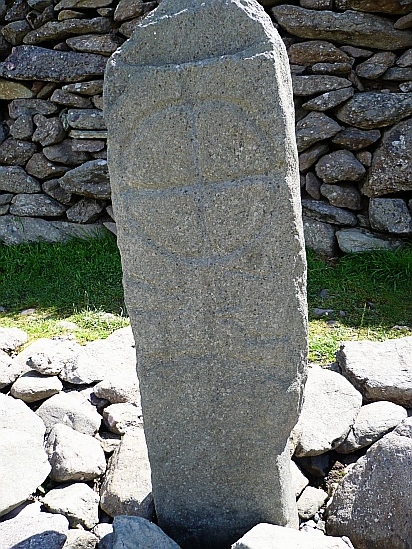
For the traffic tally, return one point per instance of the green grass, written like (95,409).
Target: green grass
(77,282)
(80,282)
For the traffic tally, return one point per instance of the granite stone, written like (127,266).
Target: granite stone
(203,162)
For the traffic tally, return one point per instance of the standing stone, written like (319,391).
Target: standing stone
(205,184)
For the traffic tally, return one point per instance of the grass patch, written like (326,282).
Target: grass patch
(77,282)
(369,294)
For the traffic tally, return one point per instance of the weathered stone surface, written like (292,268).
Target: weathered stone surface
(328,100)
(315,127)
(15,32)
(22,128)
(85,210)
(342,196)
(319,236)
(404,22)
(327,213)
(312,185)
(23,467)
(81,539)
(88,145)
(372,423)
(60,30)
(129,9)
(227,148)
(372,504)
(18,230)
(91,179)
(349,27)
(310,502)
(298,479)
(34,63)
(104,44)
(33,529)
(390,215)
(78,4)
(378,6)
(9,370)
(398,74)
(91,119)
(16,152)
(19,107)
(374,110)
(355,139)
(122,417)
(63,153)
(331,68)
(391,169)
(32,386)
(329,410)
(64,408)
(126,489)
(40,167)
(138,533)
(365,157)
(13,90)
(49,131)
(15,180)
(36,205)
(92,87)
(405,60)
(16,415)
(381,371)
(88,134)
(74,455)
(77,502)
(62,97)
(118,389)
(361,240)
(53,189)
(314,83)
(339,166)
(315,4)
(311,155)
(376,65)
(269,536)
(316,51)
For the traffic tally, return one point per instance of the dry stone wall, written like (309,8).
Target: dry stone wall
(351,63)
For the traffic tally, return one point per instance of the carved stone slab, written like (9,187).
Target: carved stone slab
(205,187)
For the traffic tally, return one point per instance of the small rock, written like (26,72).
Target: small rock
(122,417)
(354,139)
(33,529)
(104,44)
(319,236)
(339,166)
(316,51)
(92,87)
(329,411)
(314,84)
(379,370)
(79,539)
(53,189)
(372,423)
(342,196)
(65,408)
(313,185)
(63,153)
(390,215)
(12,338)
(23,467)
(16,415)
(126,489)
(270,536)
(315,127)
(36,205)
(138,533)
(40,167)
(73,455)
(9,370)
(22,128)
(299,480)
(31,387)
(310,502)
(376,65)
(329,100)
(327,213)
(119,389)
(16,152)
(77,502)
(62,97)
(91,179)
(13,90)
(311,155)
(49,131)
(86,210)
(361,240)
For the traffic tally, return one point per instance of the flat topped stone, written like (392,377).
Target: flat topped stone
(203,164)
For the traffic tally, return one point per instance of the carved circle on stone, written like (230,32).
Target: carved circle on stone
(191,221)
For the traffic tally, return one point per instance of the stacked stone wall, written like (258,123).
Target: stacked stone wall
(351,64)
